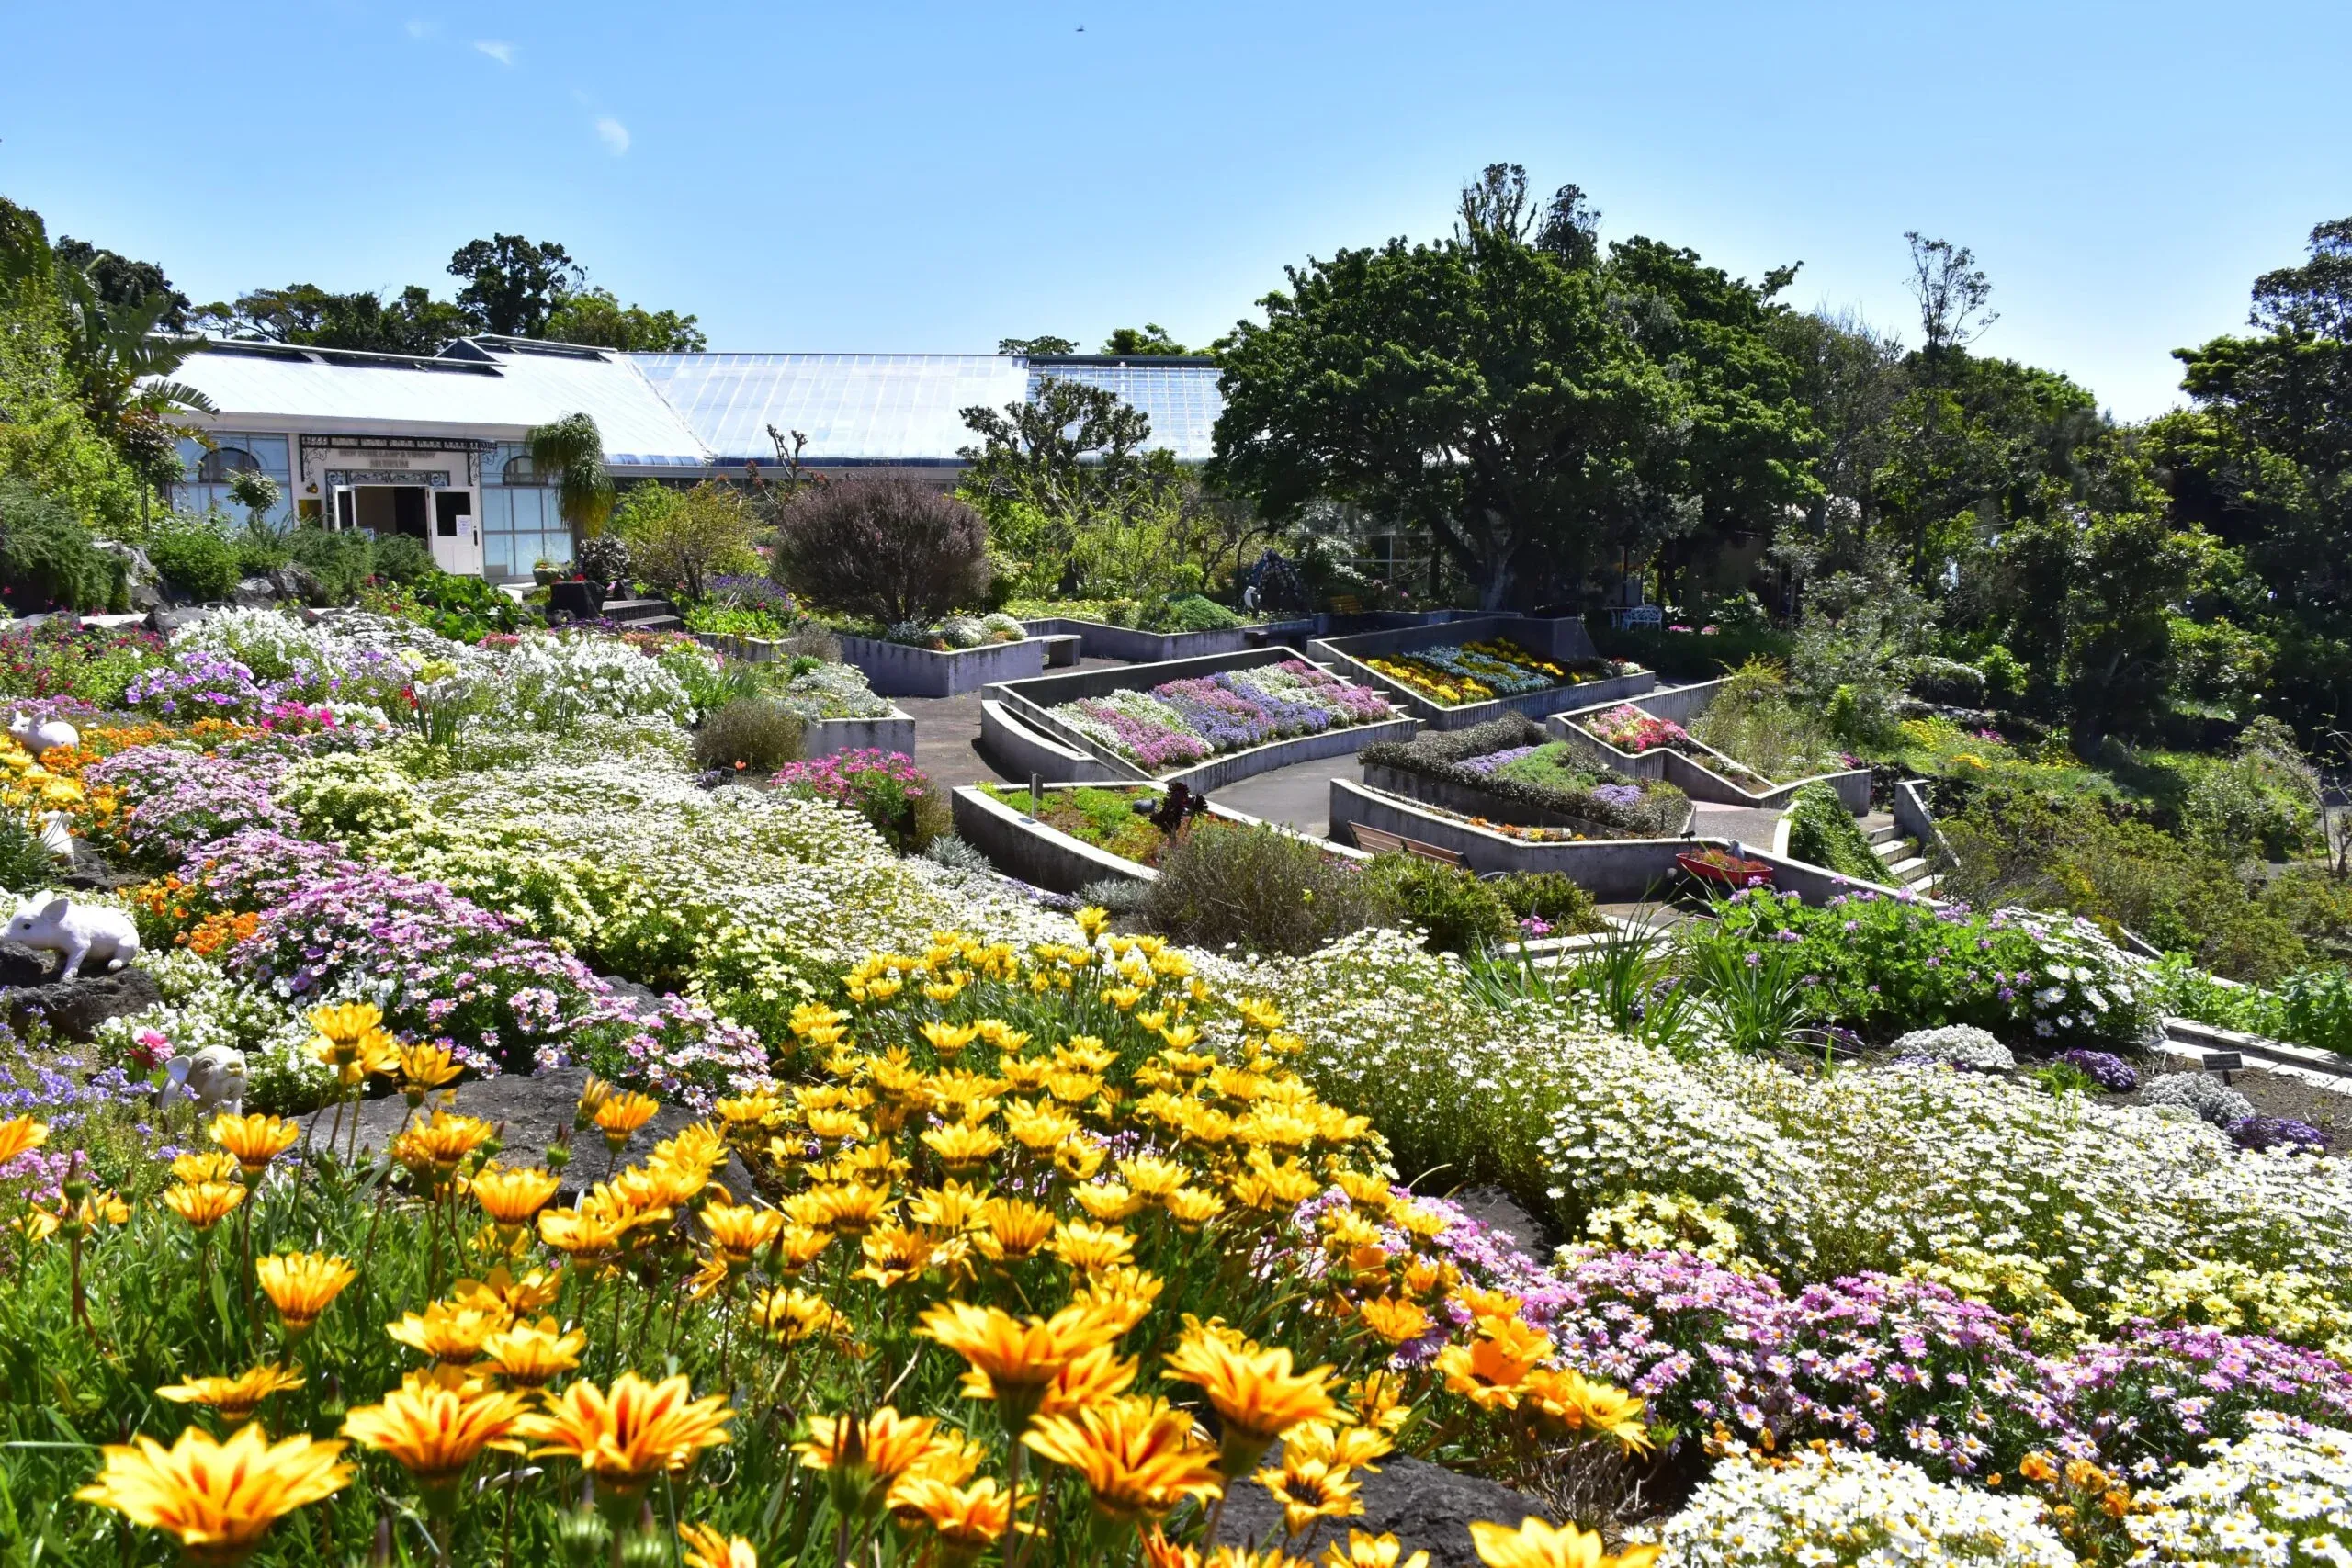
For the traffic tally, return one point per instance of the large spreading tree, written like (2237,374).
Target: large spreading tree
(1538,410)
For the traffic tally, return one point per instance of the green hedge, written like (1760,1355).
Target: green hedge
(1822,832)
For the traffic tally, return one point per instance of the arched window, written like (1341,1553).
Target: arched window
(519,471)
(223,462)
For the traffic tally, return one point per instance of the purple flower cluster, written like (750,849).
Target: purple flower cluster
(198,683)
(182,799)
(2105,1068)
(1232,718)
(1494,759)
(2277,1132)
(751,593)
(1617,794)
(2157,1395)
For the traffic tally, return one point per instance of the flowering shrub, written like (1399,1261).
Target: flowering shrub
(1835,1507)
(1628,728)
(59,660)
(1962,1044)
(884,787)
(1190,720)
(1887,965)
(2155,1395)
(2110,1071)
(181,798)
(2279,1496)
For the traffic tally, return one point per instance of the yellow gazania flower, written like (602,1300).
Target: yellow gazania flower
(1013,1359)
(966,1520)
(587,1236)
(1138,1456)
(255,1139)
(1258,1014)
(347,1023)
(205,1204)
(1583,1405)
(1153,1176)
(949,1210)
(434,1428)
(1078,1159)
(1093,1248)
(1311,1486)
(1256,1394)
(1102,1373)
(895,1255)
(961,1146)
(195,1169)
(1093,921)
(749,1109)
(1122,1297)
(791,1315)
(1106,1201)
(861,1456)
(301,1285)
(1015,1229)
(706,1548)
(217,1498)
(833,1125)
(441,1143)
(1394,1319)
(1538,1545)
(1371,1551)
(531,1355)
(235,1398)
(1488,1306)
(737,1230)
(511,1196)
(1040,1130)
(621,1114)
(451,1335)
(19,1134)
(851,1208)
(949,1038)
(797,1246)
(628,1437)
(1491,1371)
(1190,1208)
(423,1068)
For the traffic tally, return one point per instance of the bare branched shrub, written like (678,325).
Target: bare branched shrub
(889,550)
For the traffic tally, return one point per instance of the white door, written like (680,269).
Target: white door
(456,532)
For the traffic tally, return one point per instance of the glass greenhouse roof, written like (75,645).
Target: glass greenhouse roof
(1181,400)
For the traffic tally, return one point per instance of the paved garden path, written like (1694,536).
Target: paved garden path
(947,734)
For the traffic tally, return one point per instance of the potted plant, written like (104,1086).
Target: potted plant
(545,571)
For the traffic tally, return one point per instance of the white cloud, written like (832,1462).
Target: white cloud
(420,28)
(613,134)
(502,53)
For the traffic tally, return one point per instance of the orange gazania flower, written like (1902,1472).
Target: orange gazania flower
(206,1203)
(1013,1359)
(217,1498)
(1395,1319)
(621,1114)
(628,1437)
(301,1285)
(529,1355)
(19,1134)
(256,1139)
(512,1196)
(236,1398)
(1491,1371)
(1257,1395)
(966,1520)
(861,1456)
(706,1548)
(449,1334)
(1138,1456)
(435,1427)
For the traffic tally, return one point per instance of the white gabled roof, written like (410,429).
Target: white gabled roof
(494,391)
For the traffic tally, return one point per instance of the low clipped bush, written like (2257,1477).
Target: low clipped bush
(749,735)
(1460,913)
(1221,884)
(196,561)
(340,560)
(1822,832)
(399,559)
(1192,613)
(1554,897)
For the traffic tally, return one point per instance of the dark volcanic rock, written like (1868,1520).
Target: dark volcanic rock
(1498,1209)
(75,1007)
(533,1109)
(1426,1507)
(22,966)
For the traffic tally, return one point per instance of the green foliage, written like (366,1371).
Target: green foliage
(57,661)
(1687,656)
(396,557)
(341,561)
(1549,781)
(1458,912)
(352,797)
(755,735)
(1822,832)
(571,451)
(596,317)
(1753,721)
(196,559)
(2315,1009)
(26,865)
(1104,818)
(1552,897)
(45,555)
(1265,890)
(682,542)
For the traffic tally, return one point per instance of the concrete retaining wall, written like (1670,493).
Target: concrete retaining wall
(1611,870)
(895,731)
(1021,750)
(1681,705)
(897,670)
(1219,771)
(1099,640)
(1563,639)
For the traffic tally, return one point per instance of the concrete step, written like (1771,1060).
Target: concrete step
(1893,849)
(657,624)
(640,610)
(1885,833)
(1914,869)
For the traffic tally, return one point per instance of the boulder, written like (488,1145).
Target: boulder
(254,593)
(164,621)
(532,1108)
(1426,1507)
(73,1008)
(138,573)
(1498,1211)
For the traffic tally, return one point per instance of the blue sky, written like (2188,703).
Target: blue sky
(915,176)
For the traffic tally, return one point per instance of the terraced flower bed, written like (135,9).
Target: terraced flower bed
(1457,674)
(1182,722)
(1101,816)
(1509,770)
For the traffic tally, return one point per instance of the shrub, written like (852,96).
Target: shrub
(889,550)
(197,561)
(606,558)
(341,561)
(750,734)
(1265,890)
(1822,832)
(699,535)
(26,865)
(884,787)
(46,558)
(399,559)
(2315,1009)
(1551,897)
(1947,680)
(1460,913)
(1191,613)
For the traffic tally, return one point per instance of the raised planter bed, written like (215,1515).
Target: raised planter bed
(1692,774)
(1044,856)
(894,731)
(1611,870)
(1099,640)
(895,669)
(1560,639)
(1448,795)
(1020,730)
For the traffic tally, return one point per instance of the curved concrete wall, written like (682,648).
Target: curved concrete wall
(1020,752)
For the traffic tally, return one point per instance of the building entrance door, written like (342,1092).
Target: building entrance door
(457,533)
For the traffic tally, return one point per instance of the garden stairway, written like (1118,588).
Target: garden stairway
(1907,866)
(644,615)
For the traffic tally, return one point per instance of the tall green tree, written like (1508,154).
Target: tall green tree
(1047,471)
(596,318)
(410,321)
(1151,338)
(512,284)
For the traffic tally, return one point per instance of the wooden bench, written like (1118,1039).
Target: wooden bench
(1346,605)
(1372,840)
